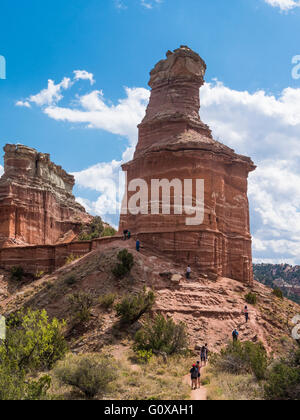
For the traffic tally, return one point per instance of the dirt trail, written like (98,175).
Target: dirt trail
(199,394)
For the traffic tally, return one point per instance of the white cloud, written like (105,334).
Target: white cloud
(1,170)
(92,111)
(149,4)
(284,5)
(52,94)
(84,75)
(24,104)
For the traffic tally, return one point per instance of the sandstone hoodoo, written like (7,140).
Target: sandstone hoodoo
(174,144)
(36,201)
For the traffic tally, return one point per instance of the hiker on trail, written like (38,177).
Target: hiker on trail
(246,312)
(138,245)
(235,335)
(204,355)
(128,235)
(125,232)
(199,374)
(194,376)
(188,272)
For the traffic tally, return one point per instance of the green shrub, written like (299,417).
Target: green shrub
(90,374)
(71,258)
(17,273)
(92,231)
(162,336)
(240,358)
(107,301)
(125,265)
(39,274)
(15,386)
(251,298)
(70,281)
(80,306)
(108,231)
(32,342)
(132,307)
(144,356)
(278,293)
(283,379)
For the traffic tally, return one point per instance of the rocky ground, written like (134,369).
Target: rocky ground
(211,309)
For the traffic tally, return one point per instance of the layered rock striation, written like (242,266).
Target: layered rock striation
(36,202)
(174,144)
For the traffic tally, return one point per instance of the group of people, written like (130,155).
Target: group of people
(127,236)
(196,368)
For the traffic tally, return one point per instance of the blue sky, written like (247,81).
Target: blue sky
(87,119)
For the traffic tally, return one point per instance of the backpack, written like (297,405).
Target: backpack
(194,372)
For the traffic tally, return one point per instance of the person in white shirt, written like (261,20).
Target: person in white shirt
(188,272)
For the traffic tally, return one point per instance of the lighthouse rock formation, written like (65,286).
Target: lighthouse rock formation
(175,145)
(36,201)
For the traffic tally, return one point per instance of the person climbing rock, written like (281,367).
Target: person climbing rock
(138,245)
(125,233)
(188,272)
(235,335)
(198,366)
(194,377)
(246,312)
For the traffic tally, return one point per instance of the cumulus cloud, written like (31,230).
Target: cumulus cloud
(93,111)
(53,93)
(284,5)
(1,170)
(267,128)
(84,75)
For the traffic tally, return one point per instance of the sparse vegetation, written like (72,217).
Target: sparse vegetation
(108,231)
(162,335)
(125,265)
(242,358)
(80,306)
(71,258)
(251,298)
(107,301)
(283,379)
(278,293)
(17,273)
(32,344)
(132,307)
(91,374)
(70,281)
(39,275)
(92,231)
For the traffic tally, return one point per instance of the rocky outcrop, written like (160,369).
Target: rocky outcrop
(36,201)
(174,144)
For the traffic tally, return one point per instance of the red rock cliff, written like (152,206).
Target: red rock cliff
(175,144)
(36,201)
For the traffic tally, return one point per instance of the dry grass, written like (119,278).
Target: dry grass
(228,387)
(153,381)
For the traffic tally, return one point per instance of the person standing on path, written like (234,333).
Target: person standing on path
(235,335)
(198,366)
(138,245)
(188,272)
(194,377)
(246,312)
(204,354)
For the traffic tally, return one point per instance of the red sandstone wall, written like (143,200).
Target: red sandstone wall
(48,258)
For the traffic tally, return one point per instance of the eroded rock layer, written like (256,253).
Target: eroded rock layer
(175,144)
(36,201)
